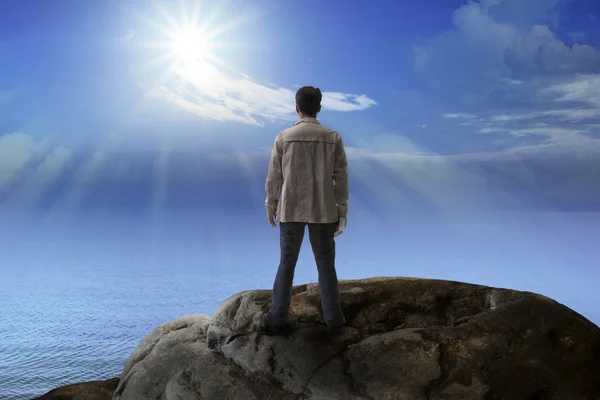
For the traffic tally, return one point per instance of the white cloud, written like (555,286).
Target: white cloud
(52,164)
(554,134)
(336,101)
(87,169)
(505,69)
(27,167)
(491,3)
(553,127)
(16,152)
(39,178)
(458,116)
(204,108)
(553,175)
(583,88)
(128,35)
(472,63)
(569,114)
(215,94)
(394,174)
(512,81)
(540,51)
(575,114)
(506,117)
(491,130)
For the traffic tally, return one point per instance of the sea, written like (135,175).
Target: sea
(75,303)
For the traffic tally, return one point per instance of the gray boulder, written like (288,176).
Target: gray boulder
(214,377)
(415,339)
(168,349)
(405,338)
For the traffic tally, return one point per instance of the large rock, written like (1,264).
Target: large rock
(413,339)
(167,350)
(214,377)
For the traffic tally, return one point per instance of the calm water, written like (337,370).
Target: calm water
(61,327)
(72,316)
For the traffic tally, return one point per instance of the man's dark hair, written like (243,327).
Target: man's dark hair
(308,99)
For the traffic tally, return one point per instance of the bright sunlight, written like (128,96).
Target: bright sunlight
(190,42)
(190,46)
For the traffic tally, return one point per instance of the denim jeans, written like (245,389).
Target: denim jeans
(323,247)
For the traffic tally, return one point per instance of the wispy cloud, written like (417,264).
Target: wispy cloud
(38,178)
(28,166)
(336,101)
(16,152)
(557,176)
(396,174)
(458,116)
(389,169)
(215,94)
(130,34)
(512,81)
(583,88)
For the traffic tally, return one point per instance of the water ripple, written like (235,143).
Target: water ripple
(63,327)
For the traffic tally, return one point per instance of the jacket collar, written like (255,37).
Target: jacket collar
(310,120)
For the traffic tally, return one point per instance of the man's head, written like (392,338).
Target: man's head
(308,101)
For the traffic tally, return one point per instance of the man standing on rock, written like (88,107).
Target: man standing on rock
(307,184)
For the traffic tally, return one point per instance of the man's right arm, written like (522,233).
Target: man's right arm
(340,177)
(274,177)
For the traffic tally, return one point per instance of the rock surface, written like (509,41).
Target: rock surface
(95,390)
(406,339)
(167,350)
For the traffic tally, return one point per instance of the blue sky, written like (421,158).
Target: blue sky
(446,108)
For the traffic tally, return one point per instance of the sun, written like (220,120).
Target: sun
(190,45)
(191,41)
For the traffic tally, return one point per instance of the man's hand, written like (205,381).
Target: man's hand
(271,218)
(341,227)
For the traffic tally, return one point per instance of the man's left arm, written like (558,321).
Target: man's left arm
(274,180)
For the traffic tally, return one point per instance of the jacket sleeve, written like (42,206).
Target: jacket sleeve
(340,178)
(274,177)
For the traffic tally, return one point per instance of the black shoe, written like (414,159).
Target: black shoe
(337,329)
(269,329)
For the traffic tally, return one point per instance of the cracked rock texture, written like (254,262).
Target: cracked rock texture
(167,350)
(405,339)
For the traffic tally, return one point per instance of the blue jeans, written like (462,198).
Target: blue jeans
(323,247)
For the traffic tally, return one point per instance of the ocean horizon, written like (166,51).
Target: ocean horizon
(75,316)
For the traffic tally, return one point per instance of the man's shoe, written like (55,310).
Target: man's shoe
(337,329)
(269,329)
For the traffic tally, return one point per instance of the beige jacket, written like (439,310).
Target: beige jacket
(307,179)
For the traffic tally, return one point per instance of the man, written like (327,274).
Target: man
(307,184)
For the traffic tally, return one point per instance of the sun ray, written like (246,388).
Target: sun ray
(231,24)
(210,18)
(184,15)
(195,13)
(169,20)
(186,50)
